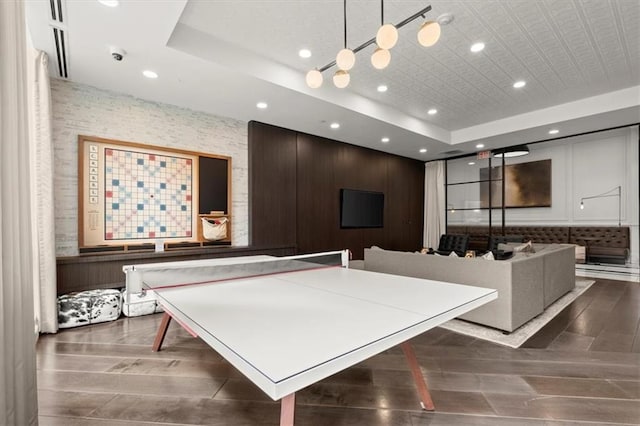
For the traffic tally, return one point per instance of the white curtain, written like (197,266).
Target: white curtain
(434,208)
(18,392)
(41,147)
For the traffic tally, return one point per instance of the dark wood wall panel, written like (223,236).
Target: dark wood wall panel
(405,185)
(317,219)
(322,168)
(272,184)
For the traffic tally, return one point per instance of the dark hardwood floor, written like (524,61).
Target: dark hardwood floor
(582,368)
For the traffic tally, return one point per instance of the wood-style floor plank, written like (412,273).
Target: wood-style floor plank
(582,368)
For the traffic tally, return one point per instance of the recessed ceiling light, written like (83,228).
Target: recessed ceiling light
(519,84)
(385,140)
(304,53)
(382,88)
(477,47)
(262,105)
(480,145)
(335,125)
(149,74)
(110,3)
(554,131)
(423,150)
(432,111)
(471,163)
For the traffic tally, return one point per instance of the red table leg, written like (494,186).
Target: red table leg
(162,331)
(287,410)
(423,390)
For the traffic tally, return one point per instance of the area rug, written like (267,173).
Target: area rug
(520,335)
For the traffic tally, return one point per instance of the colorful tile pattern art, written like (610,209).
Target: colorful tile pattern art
(147,196)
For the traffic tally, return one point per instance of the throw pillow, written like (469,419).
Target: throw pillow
(525,248)
(488,256)
(506,246)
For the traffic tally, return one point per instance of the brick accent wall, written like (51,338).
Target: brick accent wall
(85,110)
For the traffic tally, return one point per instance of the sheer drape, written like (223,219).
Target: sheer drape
(44,246)
(18,397)
(434,208)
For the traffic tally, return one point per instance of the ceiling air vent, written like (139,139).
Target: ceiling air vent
(61,52)
(59,36)
(454,152)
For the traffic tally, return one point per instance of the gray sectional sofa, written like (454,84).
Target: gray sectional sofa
(527,283)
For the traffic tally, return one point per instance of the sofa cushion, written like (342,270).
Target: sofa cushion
(495,240)
(488,256)
(524,248)
(608,251)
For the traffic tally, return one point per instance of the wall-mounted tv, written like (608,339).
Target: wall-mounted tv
(361,209)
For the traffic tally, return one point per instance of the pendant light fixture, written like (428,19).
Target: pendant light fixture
(314,79)
(380,58)
(341,79)
(346,59)
(429,33)
(386,38)
(387,35)
(512,151)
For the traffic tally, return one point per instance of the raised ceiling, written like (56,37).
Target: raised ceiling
(580,59)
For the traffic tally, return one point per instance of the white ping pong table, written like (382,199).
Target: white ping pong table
(285,331)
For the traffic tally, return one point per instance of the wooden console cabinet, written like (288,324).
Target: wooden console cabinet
(104,270)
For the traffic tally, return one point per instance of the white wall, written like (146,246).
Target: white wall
(581,167)
(84,110)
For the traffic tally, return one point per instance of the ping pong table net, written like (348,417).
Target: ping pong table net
(174,276)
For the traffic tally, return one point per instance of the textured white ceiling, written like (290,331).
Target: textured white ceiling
(580,58)
(565,50)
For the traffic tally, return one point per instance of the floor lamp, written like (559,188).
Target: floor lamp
(615,192)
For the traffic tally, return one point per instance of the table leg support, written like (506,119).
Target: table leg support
(423,390)
(287,410)
(162,331)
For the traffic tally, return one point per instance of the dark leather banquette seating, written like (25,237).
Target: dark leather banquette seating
(608,244)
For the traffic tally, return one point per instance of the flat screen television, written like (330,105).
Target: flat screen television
(361,209)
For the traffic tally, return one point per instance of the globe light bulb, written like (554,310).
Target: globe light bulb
(380,58)
(341,79)
(387,36)
(429,33)
(314,79)
(346,59)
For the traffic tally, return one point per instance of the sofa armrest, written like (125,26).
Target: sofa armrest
(516,303)
(559,272)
